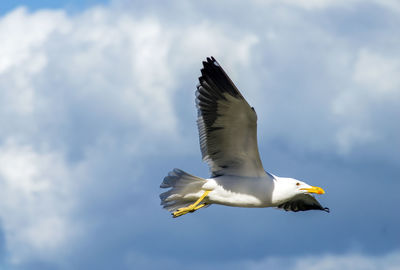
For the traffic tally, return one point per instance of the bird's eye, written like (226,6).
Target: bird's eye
(297,184)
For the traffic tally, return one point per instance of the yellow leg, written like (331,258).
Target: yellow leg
(191,208)
(200,206)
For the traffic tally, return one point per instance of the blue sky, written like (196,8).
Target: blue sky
(97,105)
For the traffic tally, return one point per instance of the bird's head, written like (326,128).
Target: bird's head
(290,187)
(306,188)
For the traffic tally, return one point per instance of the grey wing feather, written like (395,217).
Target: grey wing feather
(303,202)
(227,125)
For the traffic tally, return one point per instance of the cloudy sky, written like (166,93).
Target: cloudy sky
(97,105)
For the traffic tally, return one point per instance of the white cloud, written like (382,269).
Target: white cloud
(326,4)
(23,36)
(102,83)
(347,261)
(131,69)
(22,51)
(35,191)
(88,96)
(118,65)
(378,74)
(373,87)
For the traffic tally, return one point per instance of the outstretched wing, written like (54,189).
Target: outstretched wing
(303,202)
(227,125)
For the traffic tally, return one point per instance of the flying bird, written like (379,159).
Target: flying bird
(227,127)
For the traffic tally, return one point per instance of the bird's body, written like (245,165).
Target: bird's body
(238,191)
(228,141)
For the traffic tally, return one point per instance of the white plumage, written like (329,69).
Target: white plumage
(228,140)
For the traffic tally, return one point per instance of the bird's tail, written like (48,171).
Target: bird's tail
(184,189)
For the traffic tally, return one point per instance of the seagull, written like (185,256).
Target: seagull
(227,127)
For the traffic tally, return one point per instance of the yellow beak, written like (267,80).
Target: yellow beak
(316,190)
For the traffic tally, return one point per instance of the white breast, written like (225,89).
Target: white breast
(240,191)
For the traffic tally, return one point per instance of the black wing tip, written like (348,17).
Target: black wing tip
(210,61)
(210,65)
(305,202)
(325,209)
